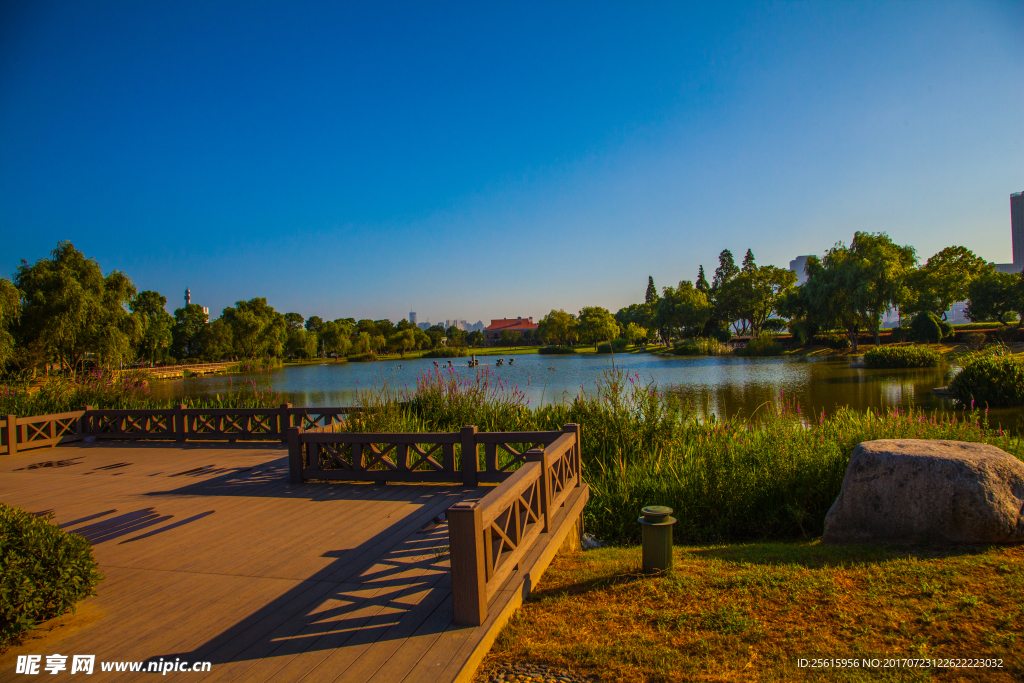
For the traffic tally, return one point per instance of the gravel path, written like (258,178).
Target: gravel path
(532,673)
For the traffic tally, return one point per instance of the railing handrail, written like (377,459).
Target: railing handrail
(479,570)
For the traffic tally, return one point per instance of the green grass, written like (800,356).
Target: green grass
(747,612)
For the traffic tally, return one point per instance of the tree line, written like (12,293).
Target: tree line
(63,310)
(850,290)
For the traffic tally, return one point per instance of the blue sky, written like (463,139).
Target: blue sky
(486,160)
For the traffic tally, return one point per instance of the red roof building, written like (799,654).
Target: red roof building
(492,333)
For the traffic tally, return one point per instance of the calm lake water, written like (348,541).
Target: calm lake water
(722,385)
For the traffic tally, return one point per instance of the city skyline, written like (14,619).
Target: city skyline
(493,160)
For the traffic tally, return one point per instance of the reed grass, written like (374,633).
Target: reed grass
(774,475)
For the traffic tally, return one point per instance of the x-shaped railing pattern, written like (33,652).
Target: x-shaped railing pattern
(505,534)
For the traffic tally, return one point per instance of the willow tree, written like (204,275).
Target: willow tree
(10,311)
(878,271)
(75,310)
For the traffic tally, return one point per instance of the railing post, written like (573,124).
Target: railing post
(577,451)
(284,421)
(12,434)
(179,422)
(295,455)
(83,422)
(470,460)
(466,550)
(538,455)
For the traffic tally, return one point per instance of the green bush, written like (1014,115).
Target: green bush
(362,357)
(447,352)
(701,346)
(44,571)
(975,340)
(836,342)
(557,350)
(604,347)
(764,345)
(990,380)
(909,356)
(925,328)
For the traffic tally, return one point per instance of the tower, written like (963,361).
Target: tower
(188,296)
(1017,227)
(412,317)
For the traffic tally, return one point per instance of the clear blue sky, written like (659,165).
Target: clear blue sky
(497,159)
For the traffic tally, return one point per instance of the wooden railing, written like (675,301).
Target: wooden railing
(490,538)
(178,423)
(325,454)
(22,433)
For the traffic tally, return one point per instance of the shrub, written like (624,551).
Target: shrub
(908,356)
(556,350)
(764,345)
(925,328)
(362,357)
(837,342)
(993,380)
(975,340)
(701,346)
(44,571)
(619,345)
(447,352)
(604,347)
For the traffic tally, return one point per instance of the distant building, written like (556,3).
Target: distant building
(188,302)
(478,326)
(798,265)
(424,325)
(492,333)
(1016,235)
(412,317)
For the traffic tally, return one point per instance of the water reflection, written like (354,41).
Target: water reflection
(719,385)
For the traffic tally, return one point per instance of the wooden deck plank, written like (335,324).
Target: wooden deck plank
(321,583)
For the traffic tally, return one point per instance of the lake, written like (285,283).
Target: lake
(724,385)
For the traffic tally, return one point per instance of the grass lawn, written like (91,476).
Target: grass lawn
(747,612)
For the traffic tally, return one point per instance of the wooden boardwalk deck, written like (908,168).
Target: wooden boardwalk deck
(210,555)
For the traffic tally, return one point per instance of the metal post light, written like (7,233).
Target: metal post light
(657,537)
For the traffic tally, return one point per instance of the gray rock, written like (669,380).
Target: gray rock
(910,491)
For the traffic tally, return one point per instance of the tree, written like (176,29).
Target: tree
(186,335)
(402,341)
(257,329)
(994,296)
(635,334)
(334,335)
(748,263)
(683,310)
(215,340)
(385,327)
(456,337)
(652,292)
(878,274)
(702,282)
(754,294)
(72,309)
(293,321)
(475,338)
(10,311)
(314,324)
(943,281)
(596,324)
(301,343)
(558,328)
(155,322)
(726,270)
(829,293)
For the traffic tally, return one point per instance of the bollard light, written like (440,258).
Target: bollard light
(657,537)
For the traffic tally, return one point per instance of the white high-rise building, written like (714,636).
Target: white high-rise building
(797,265)
(412,317)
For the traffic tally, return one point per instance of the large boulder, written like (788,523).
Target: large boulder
(910,490)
